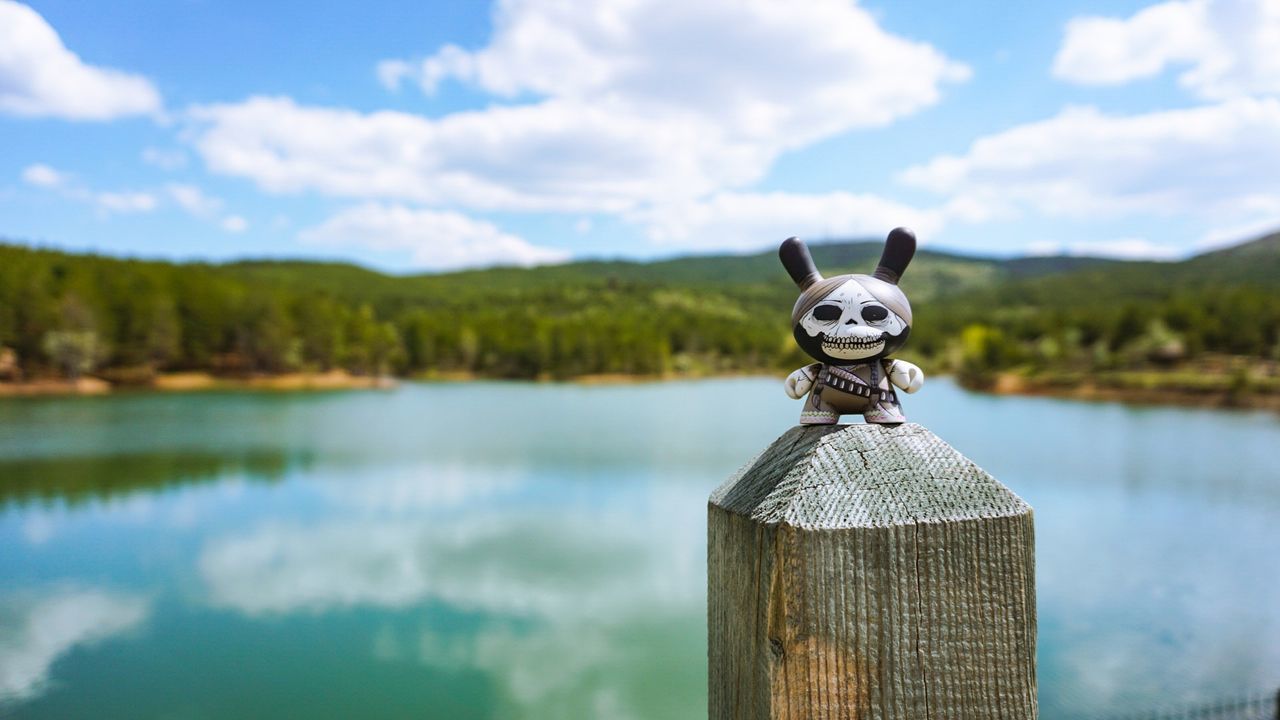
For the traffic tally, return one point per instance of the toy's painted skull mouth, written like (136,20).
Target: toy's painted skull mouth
(860,343)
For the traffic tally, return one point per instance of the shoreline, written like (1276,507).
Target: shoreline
(198,382)
(1003,384)
(1014,384)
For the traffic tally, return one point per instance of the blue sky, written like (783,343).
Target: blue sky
(428,136)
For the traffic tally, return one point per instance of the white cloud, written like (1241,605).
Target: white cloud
(40,77)
(190,198)
(1131,248)
(1229,47)
(760,68)
(67,185)
(206,207)
(434,239)
(36,631)
(618,105)
(125,202)
(1216,163)
(743,221)
(393,72)
(164,159)
(1266,221)
(550,156)
(43,176)
(193,199)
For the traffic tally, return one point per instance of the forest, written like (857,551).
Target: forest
(1060,318)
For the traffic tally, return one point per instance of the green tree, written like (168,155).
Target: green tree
(76,352)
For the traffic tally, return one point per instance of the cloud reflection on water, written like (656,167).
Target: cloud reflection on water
(561,590)
(38,629)
(512,562)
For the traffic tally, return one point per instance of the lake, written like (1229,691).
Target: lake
(506,550)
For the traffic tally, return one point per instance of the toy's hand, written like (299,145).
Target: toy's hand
(906,376)
(799,382)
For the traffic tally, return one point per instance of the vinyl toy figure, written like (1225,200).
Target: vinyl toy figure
(851,324)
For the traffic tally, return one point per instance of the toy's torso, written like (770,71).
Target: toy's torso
(860,388)
(852,388)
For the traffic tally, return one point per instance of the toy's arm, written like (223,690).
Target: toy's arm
(906,376)
(799,382)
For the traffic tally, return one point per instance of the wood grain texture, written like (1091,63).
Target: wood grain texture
(863,571)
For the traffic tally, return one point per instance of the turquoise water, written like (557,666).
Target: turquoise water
(495,550)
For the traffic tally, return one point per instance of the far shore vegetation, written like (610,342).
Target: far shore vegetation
(1201,331)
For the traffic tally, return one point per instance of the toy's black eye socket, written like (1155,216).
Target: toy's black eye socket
(874,313)
(826,313)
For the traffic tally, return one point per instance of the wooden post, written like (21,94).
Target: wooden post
(866,571)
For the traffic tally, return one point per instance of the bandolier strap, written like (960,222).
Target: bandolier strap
(846,382)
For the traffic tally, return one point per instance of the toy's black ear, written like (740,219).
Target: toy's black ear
(798,262)
(898,251)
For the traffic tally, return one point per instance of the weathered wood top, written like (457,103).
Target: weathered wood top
(862,476)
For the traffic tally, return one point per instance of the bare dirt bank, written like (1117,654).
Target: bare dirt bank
(196,381)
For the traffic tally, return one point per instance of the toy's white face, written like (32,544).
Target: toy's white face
(852,323)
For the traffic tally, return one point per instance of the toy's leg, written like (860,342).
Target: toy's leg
(884,413)
(817,412)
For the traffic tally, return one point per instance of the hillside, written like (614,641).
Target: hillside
(125,320)
(932,273)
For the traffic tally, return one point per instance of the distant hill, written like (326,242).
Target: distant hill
(932,273)
(1255,261)
(1041,265)
(1266,246)
(1092,282)
(68,313)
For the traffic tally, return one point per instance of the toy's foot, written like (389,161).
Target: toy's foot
(885,414)
(819,417)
